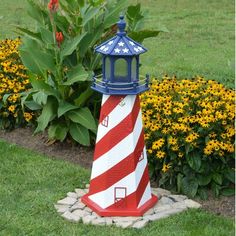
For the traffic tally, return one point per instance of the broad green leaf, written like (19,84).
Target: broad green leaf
(112,15)
(80,134)
(58,131)
(203,180)
(36,60)
(228,192)
(33,106)
(30,63)
(5,97)
(90,14)
(230,175)
(77,74)
(40,85)
(194,160)
(189,186)
(216,189)
(70,45)
(40,98)
(143,34)
(217,178)
(47,36)
(48,113)
(83,97)
(84,117)
(89,40)
(203,193)
(30,34)
(65,107)
(179,182)
(35,11)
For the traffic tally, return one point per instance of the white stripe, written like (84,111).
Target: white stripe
(104,98)
(116,116)
(106,198)
(146,195)
(119,152)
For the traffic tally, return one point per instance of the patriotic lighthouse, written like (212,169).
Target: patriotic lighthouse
(119,184)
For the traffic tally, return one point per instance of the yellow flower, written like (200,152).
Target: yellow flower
(160,154)
(165,167)
(12,108)
(158,144)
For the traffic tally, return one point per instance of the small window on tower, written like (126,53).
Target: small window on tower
(105,121)
(120,193)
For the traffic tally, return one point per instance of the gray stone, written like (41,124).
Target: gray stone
(126,219)
(124,224)
(149,212)
(165,200)
(192,204)
(108,220)
(62,208)
(95,214)
(88,209)
(71,217)
(161,208)
(179,205)
(72,194)
(156,216)
(99,221)
(159,192)
(140,224)
(81,213)
(80,192)
(88,219)
(78,205)
(67,201)
(178,198)
(174,211)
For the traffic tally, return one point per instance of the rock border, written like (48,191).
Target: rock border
(71,208)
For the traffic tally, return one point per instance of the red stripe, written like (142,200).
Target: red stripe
(109,105)
(118,133)
(132,200)
(119,171)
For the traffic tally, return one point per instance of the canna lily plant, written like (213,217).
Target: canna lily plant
(59,54)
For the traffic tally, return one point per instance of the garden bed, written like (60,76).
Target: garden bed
(83,156)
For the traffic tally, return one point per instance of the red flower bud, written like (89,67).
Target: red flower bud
(53,5)
(59,38)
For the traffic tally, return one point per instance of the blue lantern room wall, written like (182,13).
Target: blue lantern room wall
(120,65)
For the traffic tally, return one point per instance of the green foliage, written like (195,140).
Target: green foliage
(190,135)
(60,52)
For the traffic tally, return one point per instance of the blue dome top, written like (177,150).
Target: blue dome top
(120,45)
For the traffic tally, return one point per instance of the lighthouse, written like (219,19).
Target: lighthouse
(120,184)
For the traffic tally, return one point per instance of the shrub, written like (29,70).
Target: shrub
(13,82)
(61,53)
(190,135)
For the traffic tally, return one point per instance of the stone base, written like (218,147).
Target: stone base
(72,209)
(115,212)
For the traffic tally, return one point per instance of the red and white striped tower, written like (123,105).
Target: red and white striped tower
(119,184)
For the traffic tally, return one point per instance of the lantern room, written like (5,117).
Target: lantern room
(120,67)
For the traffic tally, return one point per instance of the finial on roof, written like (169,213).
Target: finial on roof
(121,26)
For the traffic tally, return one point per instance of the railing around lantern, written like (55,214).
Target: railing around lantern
(133,87)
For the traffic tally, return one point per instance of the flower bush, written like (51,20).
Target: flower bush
(13,82)
(189,128)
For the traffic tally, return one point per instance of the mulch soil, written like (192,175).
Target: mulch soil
(84,156)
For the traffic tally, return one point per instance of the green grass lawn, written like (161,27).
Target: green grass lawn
(200,41)
(31,183)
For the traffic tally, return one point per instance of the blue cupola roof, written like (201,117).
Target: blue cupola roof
(120,45)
